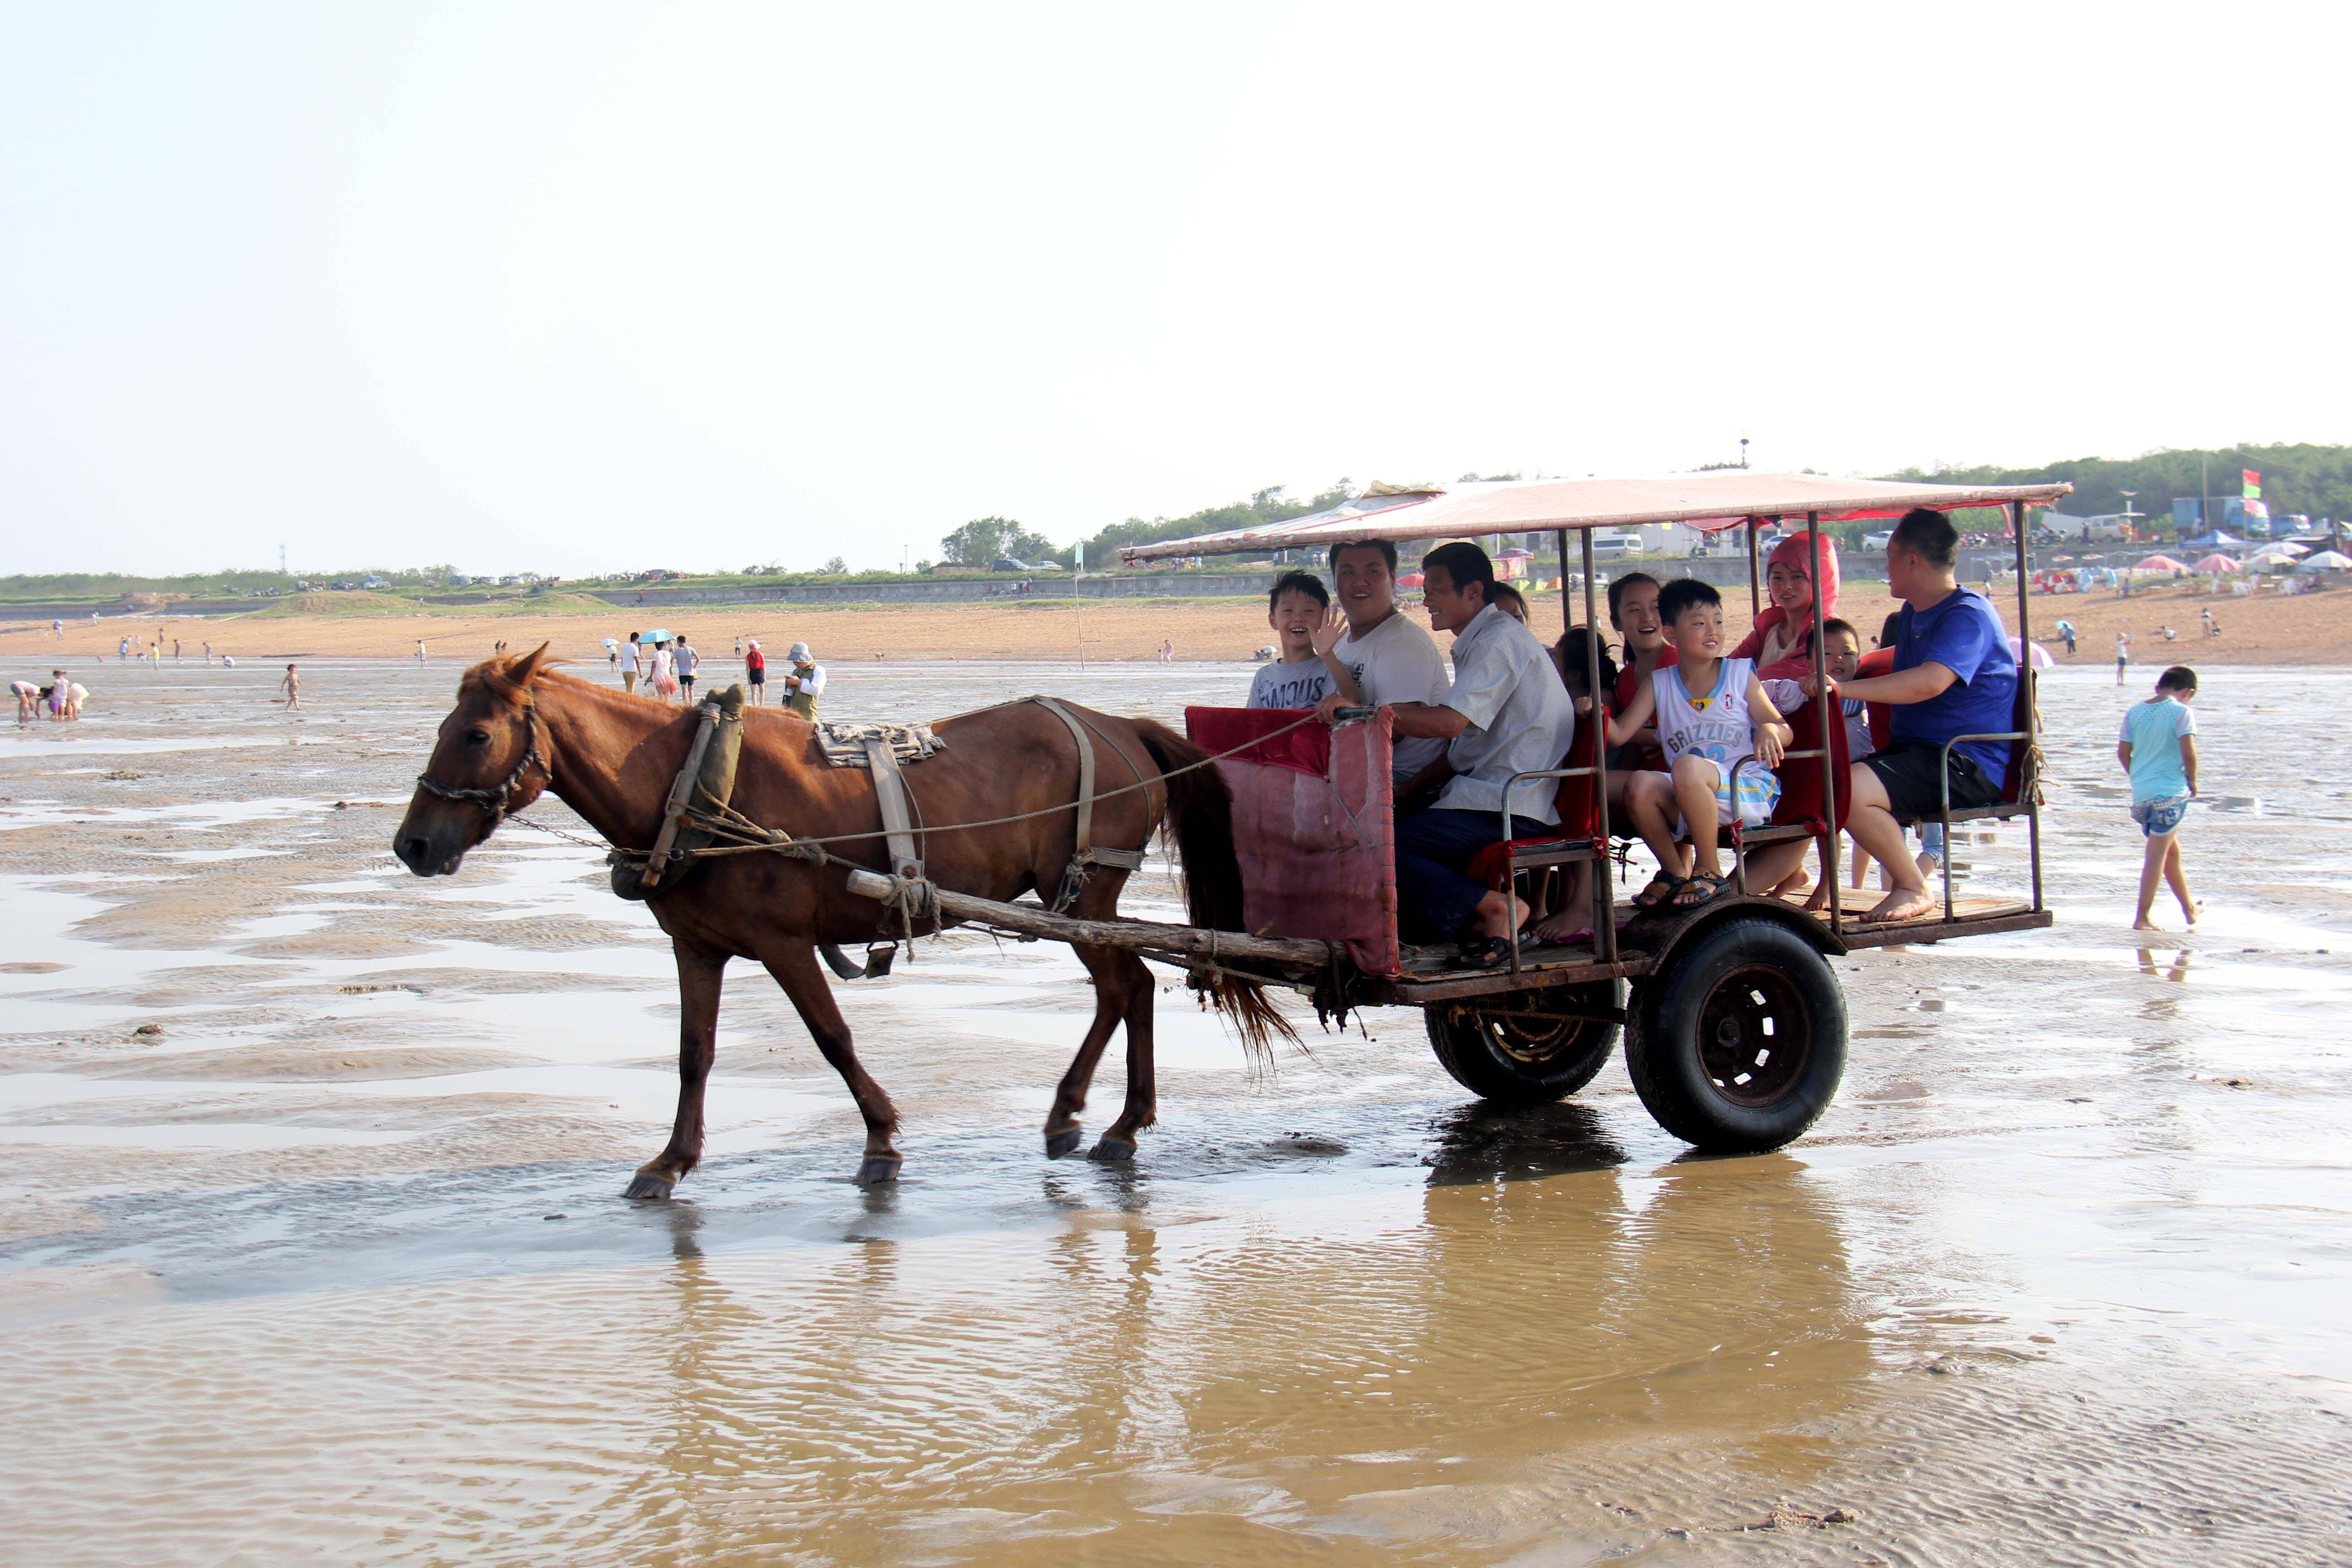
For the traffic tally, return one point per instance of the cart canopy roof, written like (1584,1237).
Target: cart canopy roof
(1715,499)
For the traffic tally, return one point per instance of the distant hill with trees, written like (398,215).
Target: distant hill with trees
(2316,482)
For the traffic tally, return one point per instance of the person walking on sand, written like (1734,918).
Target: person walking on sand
(175,650)
(755,671)
(28,700)
(208,656)
(2123,654)
(2158,748)
(292,687)
(632,661)
(687,661)
(420,650)
(805,684)
(1167,650)
(58,630)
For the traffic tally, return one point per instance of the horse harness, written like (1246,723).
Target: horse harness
(496,801)
(698,822)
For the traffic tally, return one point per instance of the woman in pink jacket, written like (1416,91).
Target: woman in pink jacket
(1777,643)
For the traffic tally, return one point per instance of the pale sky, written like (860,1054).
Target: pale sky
(590,286)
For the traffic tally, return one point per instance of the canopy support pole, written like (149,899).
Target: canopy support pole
(1755,585)
(1829,711)
(2032,702)
(1604,893)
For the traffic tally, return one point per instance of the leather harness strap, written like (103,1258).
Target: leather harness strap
(681,796)
(1085,857)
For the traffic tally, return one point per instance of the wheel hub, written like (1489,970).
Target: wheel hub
(1755,1036)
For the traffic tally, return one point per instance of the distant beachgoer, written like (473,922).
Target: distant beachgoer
(686,659)
(292,687)
(755,670)
(805,684)
(420,650)
(28,700)
(665,672)
(208,655)
(2123,654)
(175,650)
(2066,630)
(1167,650)
(228,661)
(612,657)
(58,629)
(2158,747)
(632,665)
(2169,634)
(645,664)
(738,644)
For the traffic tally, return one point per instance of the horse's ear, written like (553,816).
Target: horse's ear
(522,671)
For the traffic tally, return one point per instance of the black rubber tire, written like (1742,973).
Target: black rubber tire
(1702,1038)
(1521,1061)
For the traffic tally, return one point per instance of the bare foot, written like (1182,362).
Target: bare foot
(2144,923)
(2192,910)
(1903,904)
(1560,930)
(1794,883)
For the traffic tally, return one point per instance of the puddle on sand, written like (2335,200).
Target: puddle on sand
(2044,1285)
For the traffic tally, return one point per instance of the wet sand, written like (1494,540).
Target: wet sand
(312,1244)
(2304,629)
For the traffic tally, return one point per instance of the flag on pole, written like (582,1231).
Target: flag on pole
(2254,484)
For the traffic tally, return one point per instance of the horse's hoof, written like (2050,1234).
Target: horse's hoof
(1058,1144)
(877,1169)
(1112,1151)
(645,1186)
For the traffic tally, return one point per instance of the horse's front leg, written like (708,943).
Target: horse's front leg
(701,971)
(796,971)
(1134,990)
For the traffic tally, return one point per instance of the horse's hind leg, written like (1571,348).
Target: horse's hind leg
(1062,1130)
(795,970)
(701,971)
(1133,985)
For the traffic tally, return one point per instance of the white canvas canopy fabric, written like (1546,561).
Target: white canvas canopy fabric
(1712,501)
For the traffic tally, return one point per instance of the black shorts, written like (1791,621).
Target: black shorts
(1907,770)
(759,677)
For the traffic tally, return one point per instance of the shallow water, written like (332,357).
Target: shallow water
(332,1262)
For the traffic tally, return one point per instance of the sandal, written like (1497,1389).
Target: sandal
(1484,953)
(1662,886)
(1708,884)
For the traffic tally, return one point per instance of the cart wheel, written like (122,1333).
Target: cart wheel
(1526,1048)
(1740,1044)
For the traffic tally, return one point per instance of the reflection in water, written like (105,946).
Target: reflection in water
(2178,971)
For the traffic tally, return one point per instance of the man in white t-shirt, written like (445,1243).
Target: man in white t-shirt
(1392,659)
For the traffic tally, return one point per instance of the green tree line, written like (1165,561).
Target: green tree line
(2316,482)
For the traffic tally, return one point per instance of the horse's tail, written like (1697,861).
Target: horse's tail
(1201,820)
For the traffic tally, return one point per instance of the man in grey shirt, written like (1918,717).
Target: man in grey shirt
(1506,712)
(1391,660)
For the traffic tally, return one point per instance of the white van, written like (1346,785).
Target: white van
(1616,544)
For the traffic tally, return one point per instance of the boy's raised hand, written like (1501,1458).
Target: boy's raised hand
(1325,634)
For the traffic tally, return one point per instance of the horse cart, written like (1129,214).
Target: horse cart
(757,834)
(1731,1016)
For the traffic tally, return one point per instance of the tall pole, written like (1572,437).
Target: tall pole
(1828,711)
(2033,713)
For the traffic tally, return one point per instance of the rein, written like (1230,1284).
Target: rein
(496,801)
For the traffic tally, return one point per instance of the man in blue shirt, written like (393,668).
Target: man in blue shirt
(1954,675)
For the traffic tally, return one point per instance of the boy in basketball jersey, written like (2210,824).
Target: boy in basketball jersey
(1711,713)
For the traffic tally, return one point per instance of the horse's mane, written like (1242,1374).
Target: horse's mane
(510,676)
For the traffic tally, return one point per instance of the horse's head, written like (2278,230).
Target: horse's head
(491,760)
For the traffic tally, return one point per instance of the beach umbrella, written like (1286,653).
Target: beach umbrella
(2041,656)
(612,642)
(2325,561)
(2161,564)
(2286,547)
(1409,580)
(2217,562)
(657,634)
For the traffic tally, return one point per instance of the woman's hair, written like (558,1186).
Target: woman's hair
(1617,586)
(1508,600)
(1576,647)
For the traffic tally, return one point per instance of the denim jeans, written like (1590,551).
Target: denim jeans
(1435,899)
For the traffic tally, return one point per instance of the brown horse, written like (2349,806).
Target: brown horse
(519,728)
